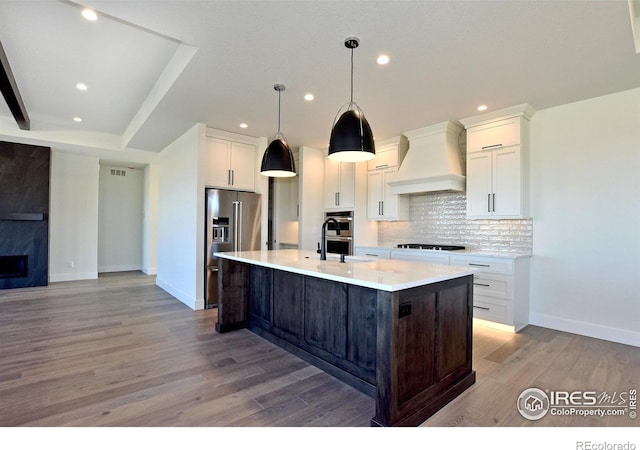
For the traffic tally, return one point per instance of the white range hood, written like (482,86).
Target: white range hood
(432,162)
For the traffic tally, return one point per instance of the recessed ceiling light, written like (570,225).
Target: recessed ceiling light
(482,108)
(383,59)
(81,87)
(89,14)
(244,125)
(77,119)
(309,97)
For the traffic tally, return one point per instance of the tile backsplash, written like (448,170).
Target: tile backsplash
(440,218)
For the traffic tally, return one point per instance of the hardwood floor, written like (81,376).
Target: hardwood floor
(119,351)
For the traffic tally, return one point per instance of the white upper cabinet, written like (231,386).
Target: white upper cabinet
(501,133)
(381,203)
(339,184)
(230,163)
(497,164)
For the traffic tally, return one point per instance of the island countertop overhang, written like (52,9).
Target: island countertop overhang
(382,274)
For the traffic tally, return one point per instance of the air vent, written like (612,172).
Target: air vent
(118,172)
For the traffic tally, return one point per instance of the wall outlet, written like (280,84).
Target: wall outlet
(70,264)
(404,310)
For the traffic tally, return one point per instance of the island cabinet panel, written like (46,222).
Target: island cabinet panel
(288,309)
(361,328)
(416,343)
(325,315)
(453,337)
(260,293)
(233,287)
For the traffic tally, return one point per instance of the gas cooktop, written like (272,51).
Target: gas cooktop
(431,247)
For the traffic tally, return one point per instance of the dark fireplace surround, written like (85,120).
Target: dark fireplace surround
(24,215)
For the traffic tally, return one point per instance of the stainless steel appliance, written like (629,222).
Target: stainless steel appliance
(232,224)
(343,243)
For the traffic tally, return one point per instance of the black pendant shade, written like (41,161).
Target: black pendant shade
(277,160)
(351,136)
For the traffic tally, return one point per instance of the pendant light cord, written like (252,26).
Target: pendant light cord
(351,75)
(278,112)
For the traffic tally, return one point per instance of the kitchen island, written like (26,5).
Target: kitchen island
(399,331)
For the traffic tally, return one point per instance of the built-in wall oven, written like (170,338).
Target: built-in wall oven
(342,243)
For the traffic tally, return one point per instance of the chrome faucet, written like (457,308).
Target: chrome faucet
(323,250)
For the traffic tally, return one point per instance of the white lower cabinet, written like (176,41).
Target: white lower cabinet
(373,252)
(500,288)
(433,257)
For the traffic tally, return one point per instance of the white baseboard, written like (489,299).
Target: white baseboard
(56,277)
(177,293)
(119,268)
(619,335)
(199,303)
(150,270)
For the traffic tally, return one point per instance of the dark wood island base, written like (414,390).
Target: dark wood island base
(410,349)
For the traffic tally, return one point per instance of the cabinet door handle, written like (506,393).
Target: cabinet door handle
(229,177)
(382,165)
(480,265)
(382,208)
(370,254)
(488,202)
(494,202)
(487,147)
(233,177)
(481,284)
(482,308)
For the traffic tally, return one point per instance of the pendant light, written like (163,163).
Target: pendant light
(351,136)
(277,160)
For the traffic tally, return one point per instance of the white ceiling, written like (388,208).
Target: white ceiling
(154,68)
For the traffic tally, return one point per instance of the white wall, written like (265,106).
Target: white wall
(180,217)
(585,180)
(150,221)
(73,221)
(120,211)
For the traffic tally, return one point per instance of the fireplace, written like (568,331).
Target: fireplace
(24,215)
(14,266)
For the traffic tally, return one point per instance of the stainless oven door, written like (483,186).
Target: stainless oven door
(342,245)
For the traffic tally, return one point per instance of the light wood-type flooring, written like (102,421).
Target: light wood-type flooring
(119,351)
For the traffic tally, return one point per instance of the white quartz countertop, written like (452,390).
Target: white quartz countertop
(381,274)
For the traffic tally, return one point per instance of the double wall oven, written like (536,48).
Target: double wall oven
(342,243)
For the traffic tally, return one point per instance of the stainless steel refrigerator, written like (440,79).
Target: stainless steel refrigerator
(232,224)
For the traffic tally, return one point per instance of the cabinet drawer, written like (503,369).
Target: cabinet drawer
(427,256)
(373,253)
(501,133)
(484,264)
(493,310)
(493,285)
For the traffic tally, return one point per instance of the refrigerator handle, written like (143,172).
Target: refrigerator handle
(236,225)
